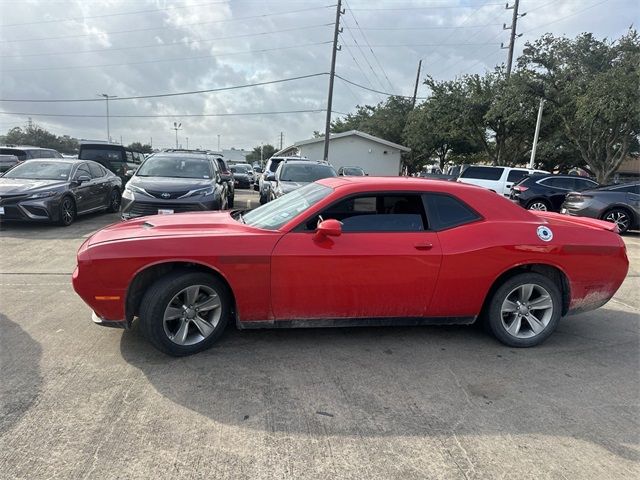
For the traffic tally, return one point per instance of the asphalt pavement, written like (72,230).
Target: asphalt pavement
(80,401)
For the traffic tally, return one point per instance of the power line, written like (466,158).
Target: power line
(171,44)
(164,27)
(425,7)
(375,75)
(163,95)
(433,27)
(369,45)
(236,114)
(565,17)
(384,45)
(164,60)
(374,90)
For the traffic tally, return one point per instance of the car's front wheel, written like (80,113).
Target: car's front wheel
(114,201)
(525,310)
(67,211)
(185,312)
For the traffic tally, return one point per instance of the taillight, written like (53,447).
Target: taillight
(520,188)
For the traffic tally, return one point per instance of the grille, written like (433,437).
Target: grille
(11,199)
(11,213)
(140,209)
(172,195)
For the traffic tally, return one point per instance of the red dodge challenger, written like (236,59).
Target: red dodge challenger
(351,251)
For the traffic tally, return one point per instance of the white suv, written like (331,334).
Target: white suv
(496,179)
(264,185)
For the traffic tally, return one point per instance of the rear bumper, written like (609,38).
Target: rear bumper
(109,323)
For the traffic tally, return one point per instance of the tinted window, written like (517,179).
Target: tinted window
(559,182)
(21,154)
(583,184)
(376,213)
(444,211)
(627,189)
(296,172)
(273,165)
(483,173)
(129,156)
(82,170)
(353,171)
(101,155)
(96,170)
(516,175)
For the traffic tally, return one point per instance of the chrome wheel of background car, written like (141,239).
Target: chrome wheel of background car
(527,310)
(192,315)
(67,211)
(541,206)
(620,218)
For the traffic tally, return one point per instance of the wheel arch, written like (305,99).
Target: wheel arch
(552,272)
(147,275)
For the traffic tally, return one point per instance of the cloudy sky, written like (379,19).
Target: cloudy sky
(75,49)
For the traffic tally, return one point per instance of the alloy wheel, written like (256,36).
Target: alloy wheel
(114,202)
(68,211)
(620,218)
(527,310)
(540,206)
(192,315)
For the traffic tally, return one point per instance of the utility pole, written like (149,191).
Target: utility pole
(332,74)
(176,127)
(513,36)
(415,90)
(281,138)
(107,97)
(534,147)
(151,142)
(219,151)
(187,142)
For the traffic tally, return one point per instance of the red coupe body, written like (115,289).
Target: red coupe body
(294,276)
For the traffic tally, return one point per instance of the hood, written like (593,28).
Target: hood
(166,184)
(180,224)
(17,186)
(291,186)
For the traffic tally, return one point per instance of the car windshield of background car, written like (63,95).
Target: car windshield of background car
(175,167)
(36,170)
(273,215)
(305,173)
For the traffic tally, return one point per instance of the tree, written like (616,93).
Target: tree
(141,147)
(593,86)
(267,152)
(434,128)
(39,137)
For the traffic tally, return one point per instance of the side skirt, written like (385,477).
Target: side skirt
(358,322)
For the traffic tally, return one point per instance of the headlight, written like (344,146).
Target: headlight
(200,191)
(133,189)
(43,194)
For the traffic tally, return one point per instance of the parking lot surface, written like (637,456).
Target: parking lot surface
(79,401)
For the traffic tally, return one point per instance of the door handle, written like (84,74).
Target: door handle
(423,246)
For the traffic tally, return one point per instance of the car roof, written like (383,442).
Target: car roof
(200,155)
(58,160)
(26,147)
(305,162)
(400,183)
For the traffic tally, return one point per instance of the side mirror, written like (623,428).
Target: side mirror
(83,179)
(329,228)
(271,177)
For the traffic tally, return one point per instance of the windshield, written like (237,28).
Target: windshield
(276,213)
(240,168)
(305,173)
(37,170)
(175,167)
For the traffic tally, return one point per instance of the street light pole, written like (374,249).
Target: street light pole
(107,97)
(176,127)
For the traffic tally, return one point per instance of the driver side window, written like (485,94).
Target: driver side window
(83,170)
(376,213)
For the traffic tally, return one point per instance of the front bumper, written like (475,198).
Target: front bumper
(30,210)
(139,206)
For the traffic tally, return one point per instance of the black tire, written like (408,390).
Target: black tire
(263,198)
(230,201)
(621,217)
(494,315)
(114,201)
(68,211)
(158,298)
(539,201)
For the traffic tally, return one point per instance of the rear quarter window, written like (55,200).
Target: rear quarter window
(516,175)
(446,211)
(483,173)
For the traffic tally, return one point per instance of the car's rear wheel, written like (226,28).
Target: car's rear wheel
(620,217)
(185,312)
(540,205)
(263,198)
(525,310)
(67,211)
(114,201)
(230,201)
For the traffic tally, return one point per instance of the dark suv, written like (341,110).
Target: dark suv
(172,182)
(547,192)
(227,177)
(119,159)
